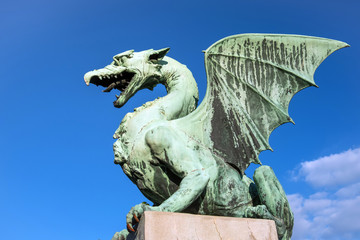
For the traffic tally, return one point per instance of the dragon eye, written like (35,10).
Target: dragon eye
(117,60)
(122,59)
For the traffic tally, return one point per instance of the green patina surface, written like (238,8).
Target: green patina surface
(188,159)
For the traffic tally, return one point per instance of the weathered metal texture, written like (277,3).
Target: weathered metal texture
(193,160)
(252,78)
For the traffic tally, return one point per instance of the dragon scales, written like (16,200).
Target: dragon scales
(192,159)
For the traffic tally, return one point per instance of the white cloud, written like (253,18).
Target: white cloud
(349,191)
(334,170)
(336,219)
(329,214)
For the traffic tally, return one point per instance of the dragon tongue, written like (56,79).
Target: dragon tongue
(110,87)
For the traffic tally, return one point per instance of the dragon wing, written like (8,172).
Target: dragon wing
(251,80)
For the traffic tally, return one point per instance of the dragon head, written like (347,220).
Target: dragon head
(129,72)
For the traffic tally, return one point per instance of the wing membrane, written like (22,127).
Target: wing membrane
(251,80)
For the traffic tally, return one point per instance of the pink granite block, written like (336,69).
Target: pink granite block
(180,226)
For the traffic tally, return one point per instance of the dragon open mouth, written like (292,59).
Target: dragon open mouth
(112,81)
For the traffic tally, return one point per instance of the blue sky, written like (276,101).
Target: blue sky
(57,177)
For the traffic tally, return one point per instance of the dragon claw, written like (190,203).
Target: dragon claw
(136,218)
(129,227)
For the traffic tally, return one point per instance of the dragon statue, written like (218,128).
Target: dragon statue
(192,159)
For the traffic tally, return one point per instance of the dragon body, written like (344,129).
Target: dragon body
(189,159)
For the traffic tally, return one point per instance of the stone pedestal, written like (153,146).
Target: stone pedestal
(180,226)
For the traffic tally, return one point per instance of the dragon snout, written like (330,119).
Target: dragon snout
(87,78)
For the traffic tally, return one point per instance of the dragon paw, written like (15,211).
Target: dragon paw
(135,213)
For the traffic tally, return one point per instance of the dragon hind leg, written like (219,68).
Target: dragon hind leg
(272,196)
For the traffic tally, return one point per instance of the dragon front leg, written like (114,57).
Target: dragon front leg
(170,150)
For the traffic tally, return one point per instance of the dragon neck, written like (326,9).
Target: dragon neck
(181,99)
(182,94)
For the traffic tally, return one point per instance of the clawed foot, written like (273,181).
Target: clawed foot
(132,220)
(135,214)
